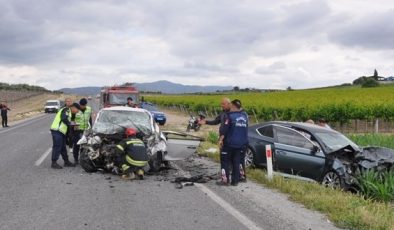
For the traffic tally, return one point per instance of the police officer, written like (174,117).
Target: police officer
(131,155)
(234,140)
(84,121)
(59,128)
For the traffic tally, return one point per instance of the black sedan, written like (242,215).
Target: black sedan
(311,152)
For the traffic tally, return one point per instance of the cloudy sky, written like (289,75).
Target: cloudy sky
(249,43)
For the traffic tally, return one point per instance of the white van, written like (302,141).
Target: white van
(52,106)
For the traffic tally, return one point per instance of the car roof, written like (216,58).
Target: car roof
(300,125)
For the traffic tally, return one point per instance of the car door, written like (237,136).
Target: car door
(294,154)
(180,145)
(259,138)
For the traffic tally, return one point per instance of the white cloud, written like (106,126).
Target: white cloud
(250,43)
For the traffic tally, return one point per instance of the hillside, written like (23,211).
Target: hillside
(165,87)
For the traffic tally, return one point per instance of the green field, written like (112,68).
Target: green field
(334,104)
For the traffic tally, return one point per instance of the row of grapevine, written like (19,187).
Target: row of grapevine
(334,104)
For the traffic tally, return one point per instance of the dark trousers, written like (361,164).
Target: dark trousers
(243,167)
(4,120)
(76,137)
(231,158)
(59,146)
(225,164)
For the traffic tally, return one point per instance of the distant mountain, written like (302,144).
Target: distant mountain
(166,87)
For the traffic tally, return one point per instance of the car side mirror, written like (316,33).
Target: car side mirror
(315,149)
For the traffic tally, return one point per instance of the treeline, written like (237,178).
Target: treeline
(22,87)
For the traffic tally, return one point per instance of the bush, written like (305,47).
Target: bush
(213,137)
(377,185)
(368,83)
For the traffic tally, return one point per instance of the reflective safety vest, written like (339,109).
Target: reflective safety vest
(82,118)
(135,153)
(57,124)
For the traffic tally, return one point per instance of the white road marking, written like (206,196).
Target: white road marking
(249,224)
(42,157)
(4,130)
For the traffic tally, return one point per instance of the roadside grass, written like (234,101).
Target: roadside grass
(344,209)
(378,185)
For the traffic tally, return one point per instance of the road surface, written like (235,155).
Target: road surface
(34,196)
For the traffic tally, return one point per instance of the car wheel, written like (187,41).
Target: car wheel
(188,128)
(332,180)
(161,123)
(85,162)
(249,158)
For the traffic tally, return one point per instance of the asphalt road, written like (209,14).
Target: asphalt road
(34,196)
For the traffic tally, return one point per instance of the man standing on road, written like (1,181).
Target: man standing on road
(233,141)
(84,121)
(220,119)
(59,128)
(4,116)
(68,102)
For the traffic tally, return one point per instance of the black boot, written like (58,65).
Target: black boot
(55,165)
(68,164)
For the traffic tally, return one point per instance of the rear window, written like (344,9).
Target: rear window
(266,131)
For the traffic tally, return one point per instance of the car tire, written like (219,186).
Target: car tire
(188,128)
(162,123)
(249,158)
(332,179)
(85,162)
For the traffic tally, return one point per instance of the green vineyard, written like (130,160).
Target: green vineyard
(339,104)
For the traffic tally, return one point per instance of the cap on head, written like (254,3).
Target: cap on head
(237,103)
(75,105)
(83,101)
(130,132)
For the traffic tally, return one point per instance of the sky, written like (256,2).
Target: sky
(246,43)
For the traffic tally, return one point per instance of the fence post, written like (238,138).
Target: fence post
(376,126)
(255,116)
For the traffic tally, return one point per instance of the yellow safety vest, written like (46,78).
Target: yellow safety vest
(82,118)
(57,124)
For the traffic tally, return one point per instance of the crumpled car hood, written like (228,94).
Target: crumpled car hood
(368,157)
(374,156)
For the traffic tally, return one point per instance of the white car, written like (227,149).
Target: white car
(99,145)
(52,106)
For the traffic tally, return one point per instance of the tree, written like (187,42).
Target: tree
(236,88)
(376,75)
(289,88)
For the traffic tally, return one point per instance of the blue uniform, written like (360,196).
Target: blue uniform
(235,131)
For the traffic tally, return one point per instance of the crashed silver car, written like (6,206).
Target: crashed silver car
(98,145)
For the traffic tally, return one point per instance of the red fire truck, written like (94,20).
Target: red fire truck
(117,95)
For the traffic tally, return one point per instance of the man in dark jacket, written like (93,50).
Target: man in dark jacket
(234,140)
(220,119)
(4,115)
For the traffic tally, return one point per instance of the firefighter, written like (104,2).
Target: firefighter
(84,121)
(59,128)
(131,155)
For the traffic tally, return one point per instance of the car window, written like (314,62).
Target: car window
(267,131)
(291,137)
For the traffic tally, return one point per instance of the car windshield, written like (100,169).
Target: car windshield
(115,121)
(149,107)
(121,98)
(51,104)
(334,141)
